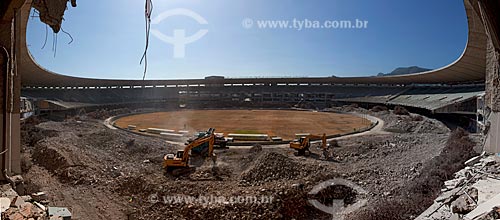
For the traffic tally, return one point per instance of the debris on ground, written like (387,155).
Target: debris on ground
(427,179)
(15,207)
(474,193)
(379,108)
(272,166)
(102,114)
(413,124)
(256,148)
(113,174)
(400,110)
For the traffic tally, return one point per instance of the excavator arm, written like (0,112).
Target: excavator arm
(323,139)
(179,164)
(210,139)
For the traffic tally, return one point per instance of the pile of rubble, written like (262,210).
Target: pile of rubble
(208,172)
(208,212)
(346,108)
(55,161)
(272,166)
(104,113)
(34,207)
(398,122)
(21,209)
(115,172)
(473,194)
(412,124)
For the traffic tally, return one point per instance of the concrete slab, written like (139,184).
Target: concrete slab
(446,195)
(63,213)
(451,184)
(7,191)
(4,204)
(473,160)
(483,208)
(443,213)
(488,188)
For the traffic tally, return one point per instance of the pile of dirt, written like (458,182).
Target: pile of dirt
(207,201)
(31,133)
(133,185)
(256,148)
(219,172)
(115,172)
(379,108)
(211,212)
(67,170)
(102,114)
(347,108)
(76,175)
(87,153)
(399,110)
(48,157)
(399,120)
(336,192)
(272,166)
(410,200)
(424,125)
(413,124)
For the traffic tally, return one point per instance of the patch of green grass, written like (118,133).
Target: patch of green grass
(247,132)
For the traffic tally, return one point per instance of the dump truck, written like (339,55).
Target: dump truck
(303,144)
(178,163)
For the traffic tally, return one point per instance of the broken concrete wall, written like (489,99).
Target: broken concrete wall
(52,12)
(489,13)
(10,85)
(493,139)
(493,97)
(492,77)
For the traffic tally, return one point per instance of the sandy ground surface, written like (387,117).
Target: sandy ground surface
(281,123)
(101,173)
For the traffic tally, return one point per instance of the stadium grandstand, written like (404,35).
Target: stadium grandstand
(107,148)
(453,88)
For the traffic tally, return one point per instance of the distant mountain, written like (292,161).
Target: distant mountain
(404,70)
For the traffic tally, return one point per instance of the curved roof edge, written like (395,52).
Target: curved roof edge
(469,67)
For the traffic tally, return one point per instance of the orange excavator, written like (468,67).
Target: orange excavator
(178,164)
(303,144)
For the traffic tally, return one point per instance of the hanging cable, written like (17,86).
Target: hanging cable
(53,41)
(147,13)
(69,35)
(46,35)
(35,14)
(54,44)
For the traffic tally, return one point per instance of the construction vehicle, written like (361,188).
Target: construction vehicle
(219,142)
(178,164)
(303,144)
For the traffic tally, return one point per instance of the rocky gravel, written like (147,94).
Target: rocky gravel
(271,167)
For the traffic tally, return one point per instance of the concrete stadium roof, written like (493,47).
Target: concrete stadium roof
(469,67)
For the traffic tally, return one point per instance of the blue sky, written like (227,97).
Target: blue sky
(109,39)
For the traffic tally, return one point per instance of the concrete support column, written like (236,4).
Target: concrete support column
(489,14)
(493,97)
(492,77)
(10,88)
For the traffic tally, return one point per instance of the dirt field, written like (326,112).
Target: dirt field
(282,123)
